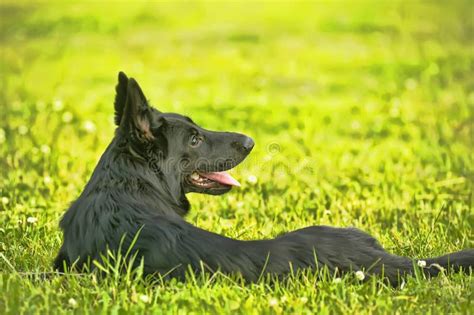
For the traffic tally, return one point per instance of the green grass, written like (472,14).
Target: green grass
(362,114)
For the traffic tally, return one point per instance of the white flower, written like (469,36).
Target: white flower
(58,105)
(45,149)
(337,280)
(67,117)
(144,298)
(5,200)
(411,84)
(304,299)
(273,302)
(47,180)
(31,220)
(360,275)
(252,179)
(88,126)
(22,130)
(72,302)
(421,263)
(355,125)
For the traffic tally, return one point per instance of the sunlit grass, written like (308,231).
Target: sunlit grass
(362,114)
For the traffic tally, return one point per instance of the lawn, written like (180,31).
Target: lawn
(362,113)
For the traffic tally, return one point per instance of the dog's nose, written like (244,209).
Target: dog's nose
(248,144)
(245,145)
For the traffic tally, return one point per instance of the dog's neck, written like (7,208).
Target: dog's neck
(128,179)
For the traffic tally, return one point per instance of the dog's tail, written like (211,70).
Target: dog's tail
(349,249)
(396,268)
(457,261)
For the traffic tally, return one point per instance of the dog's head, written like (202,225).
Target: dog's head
(189,157)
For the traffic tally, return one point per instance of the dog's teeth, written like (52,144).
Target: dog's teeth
(195,176)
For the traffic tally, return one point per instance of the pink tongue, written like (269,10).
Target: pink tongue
(221,177)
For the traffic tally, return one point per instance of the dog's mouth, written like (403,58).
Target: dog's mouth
(212,180)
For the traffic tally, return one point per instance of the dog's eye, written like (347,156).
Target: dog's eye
(195,141)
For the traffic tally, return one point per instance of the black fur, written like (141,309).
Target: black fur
(140,185)
(120,97)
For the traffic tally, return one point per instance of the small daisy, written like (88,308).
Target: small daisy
(360,275)
(411,84)
(304,299)
(5,200)
(31,220)
(273,302)
(72,302)
(421,263)
(355,125)
(252,179)
(145,298)
(337,280)
(45,149)
(47,180)
(22,130)
(67,117)
(58,105)
(88,126)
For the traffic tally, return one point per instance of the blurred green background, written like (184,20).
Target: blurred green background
(362,113)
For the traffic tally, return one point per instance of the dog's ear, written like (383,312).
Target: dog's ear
(120,97)
(136,111)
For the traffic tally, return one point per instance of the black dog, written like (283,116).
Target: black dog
(136,198)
